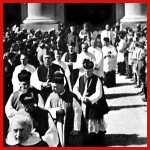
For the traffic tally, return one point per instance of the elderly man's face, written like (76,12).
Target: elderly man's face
(23,60)
(70,49)
(84,47)
(20,131)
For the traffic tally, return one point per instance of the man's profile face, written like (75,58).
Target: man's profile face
(24,86)
(29,107)
(57,88)
(20,131)
(107,27)
(93,43)
(88,72)
(85,27)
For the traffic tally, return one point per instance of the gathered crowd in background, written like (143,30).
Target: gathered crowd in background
(53,81)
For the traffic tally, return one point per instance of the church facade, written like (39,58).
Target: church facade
(44,16)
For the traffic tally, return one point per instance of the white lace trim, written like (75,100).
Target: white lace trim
(96,125)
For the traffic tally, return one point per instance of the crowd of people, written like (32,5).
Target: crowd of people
(53,81)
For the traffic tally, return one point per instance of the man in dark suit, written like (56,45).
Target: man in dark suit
(74,38)
(8,72)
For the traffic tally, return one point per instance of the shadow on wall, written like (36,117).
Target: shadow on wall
(124,140)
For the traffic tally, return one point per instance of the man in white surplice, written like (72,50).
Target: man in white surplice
(99,58)
(107,33)
(110,63)
(84,54)
(23,66)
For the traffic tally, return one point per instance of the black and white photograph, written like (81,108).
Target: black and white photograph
(75,74)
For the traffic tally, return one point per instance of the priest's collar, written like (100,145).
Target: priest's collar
(71,52)
(48,65)
(88,77)
(24,66)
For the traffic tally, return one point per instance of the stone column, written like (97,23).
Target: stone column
(134,13)
(41,16)
(120,11)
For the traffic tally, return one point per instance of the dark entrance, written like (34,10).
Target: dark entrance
(12,14)
(97,13)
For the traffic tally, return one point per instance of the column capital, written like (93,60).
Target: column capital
(134,13)
(134,19)
(38,20)
(43,16)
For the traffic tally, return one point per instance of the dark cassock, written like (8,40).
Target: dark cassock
(70,58)
(44,74)
(8,87)
(90,92)
(8,72)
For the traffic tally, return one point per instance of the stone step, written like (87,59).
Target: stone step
(42,27)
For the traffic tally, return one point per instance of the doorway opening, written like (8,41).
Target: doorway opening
(96,13)
(12,14)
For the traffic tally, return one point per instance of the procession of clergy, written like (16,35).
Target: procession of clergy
(53,82)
